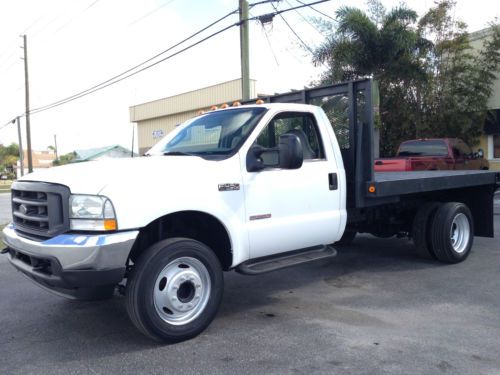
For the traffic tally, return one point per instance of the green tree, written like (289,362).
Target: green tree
(384,45)
(461,79)
(431,83)
(64,159)
(8,157)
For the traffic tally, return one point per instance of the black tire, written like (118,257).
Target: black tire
(142,290)
(346,238)
(450,220)
(421,230)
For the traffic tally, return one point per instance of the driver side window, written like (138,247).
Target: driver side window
(303,125)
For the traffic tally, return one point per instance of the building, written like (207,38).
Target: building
(155,119)
(40,159)
(109,152)
(490,141)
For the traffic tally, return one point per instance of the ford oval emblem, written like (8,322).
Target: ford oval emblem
(23,209)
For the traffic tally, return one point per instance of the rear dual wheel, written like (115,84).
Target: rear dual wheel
(444,231)
(452,232)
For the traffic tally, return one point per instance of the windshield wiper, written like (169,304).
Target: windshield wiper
(178,153)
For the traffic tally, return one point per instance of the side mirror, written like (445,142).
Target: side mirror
(291,152)
(480,153)
(288,155)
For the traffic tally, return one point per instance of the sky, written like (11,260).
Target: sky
(74,45)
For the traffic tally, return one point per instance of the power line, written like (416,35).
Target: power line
(76,16)
(294,33)
(150,13)
(105,83)
(130,72)
(10,122)
(305,19)
(318,11)
(59,16)
(64,101)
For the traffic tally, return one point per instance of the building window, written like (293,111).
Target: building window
(496,146)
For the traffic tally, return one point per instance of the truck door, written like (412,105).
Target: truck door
(293,209)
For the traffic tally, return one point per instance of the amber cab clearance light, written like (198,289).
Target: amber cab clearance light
(371,189)
(260,101)
(236,104)
(213,108)
(224,106)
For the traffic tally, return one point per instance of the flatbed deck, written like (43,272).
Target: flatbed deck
(389,184)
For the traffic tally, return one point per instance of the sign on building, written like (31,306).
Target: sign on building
(158,133)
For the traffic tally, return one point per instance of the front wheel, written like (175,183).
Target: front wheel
(174,290)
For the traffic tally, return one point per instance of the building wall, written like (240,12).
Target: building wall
(150,131)
(477,40)
(157,118)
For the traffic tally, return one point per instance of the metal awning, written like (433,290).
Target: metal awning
(492,122)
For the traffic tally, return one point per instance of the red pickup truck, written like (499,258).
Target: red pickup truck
(433,154)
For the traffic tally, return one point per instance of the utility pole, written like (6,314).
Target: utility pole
(133,135)
(21,153)
(55,146)
(244,48)
(27,91)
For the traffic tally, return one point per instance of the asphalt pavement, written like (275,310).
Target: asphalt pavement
(375,309)
(5,211)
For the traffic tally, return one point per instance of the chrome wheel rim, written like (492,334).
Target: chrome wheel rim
(181,291)
(460,233)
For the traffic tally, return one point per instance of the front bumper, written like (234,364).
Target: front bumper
(71,264)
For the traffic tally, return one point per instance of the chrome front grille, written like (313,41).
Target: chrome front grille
(40,210)
(30,209)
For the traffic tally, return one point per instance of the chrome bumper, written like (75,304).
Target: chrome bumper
(77,251)
(69,262)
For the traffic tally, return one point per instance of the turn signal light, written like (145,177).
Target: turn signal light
(110,224)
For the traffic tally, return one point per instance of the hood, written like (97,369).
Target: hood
(93,176)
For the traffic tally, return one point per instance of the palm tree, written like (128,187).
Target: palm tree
(385,48)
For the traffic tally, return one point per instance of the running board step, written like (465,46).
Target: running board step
(284,260)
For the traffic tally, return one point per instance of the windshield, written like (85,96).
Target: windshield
(214,133)
(423,148)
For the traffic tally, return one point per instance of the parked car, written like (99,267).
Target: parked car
(433,154)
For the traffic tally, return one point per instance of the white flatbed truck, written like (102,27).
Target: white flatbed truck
(252,188)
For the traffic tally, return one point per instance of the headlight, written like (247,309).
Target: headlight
(91,212)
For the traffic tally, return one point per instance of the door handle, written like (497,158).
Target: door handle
(333,181)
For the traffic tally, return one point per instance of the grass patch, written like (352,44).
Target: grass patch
(2,245)
(5,186)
